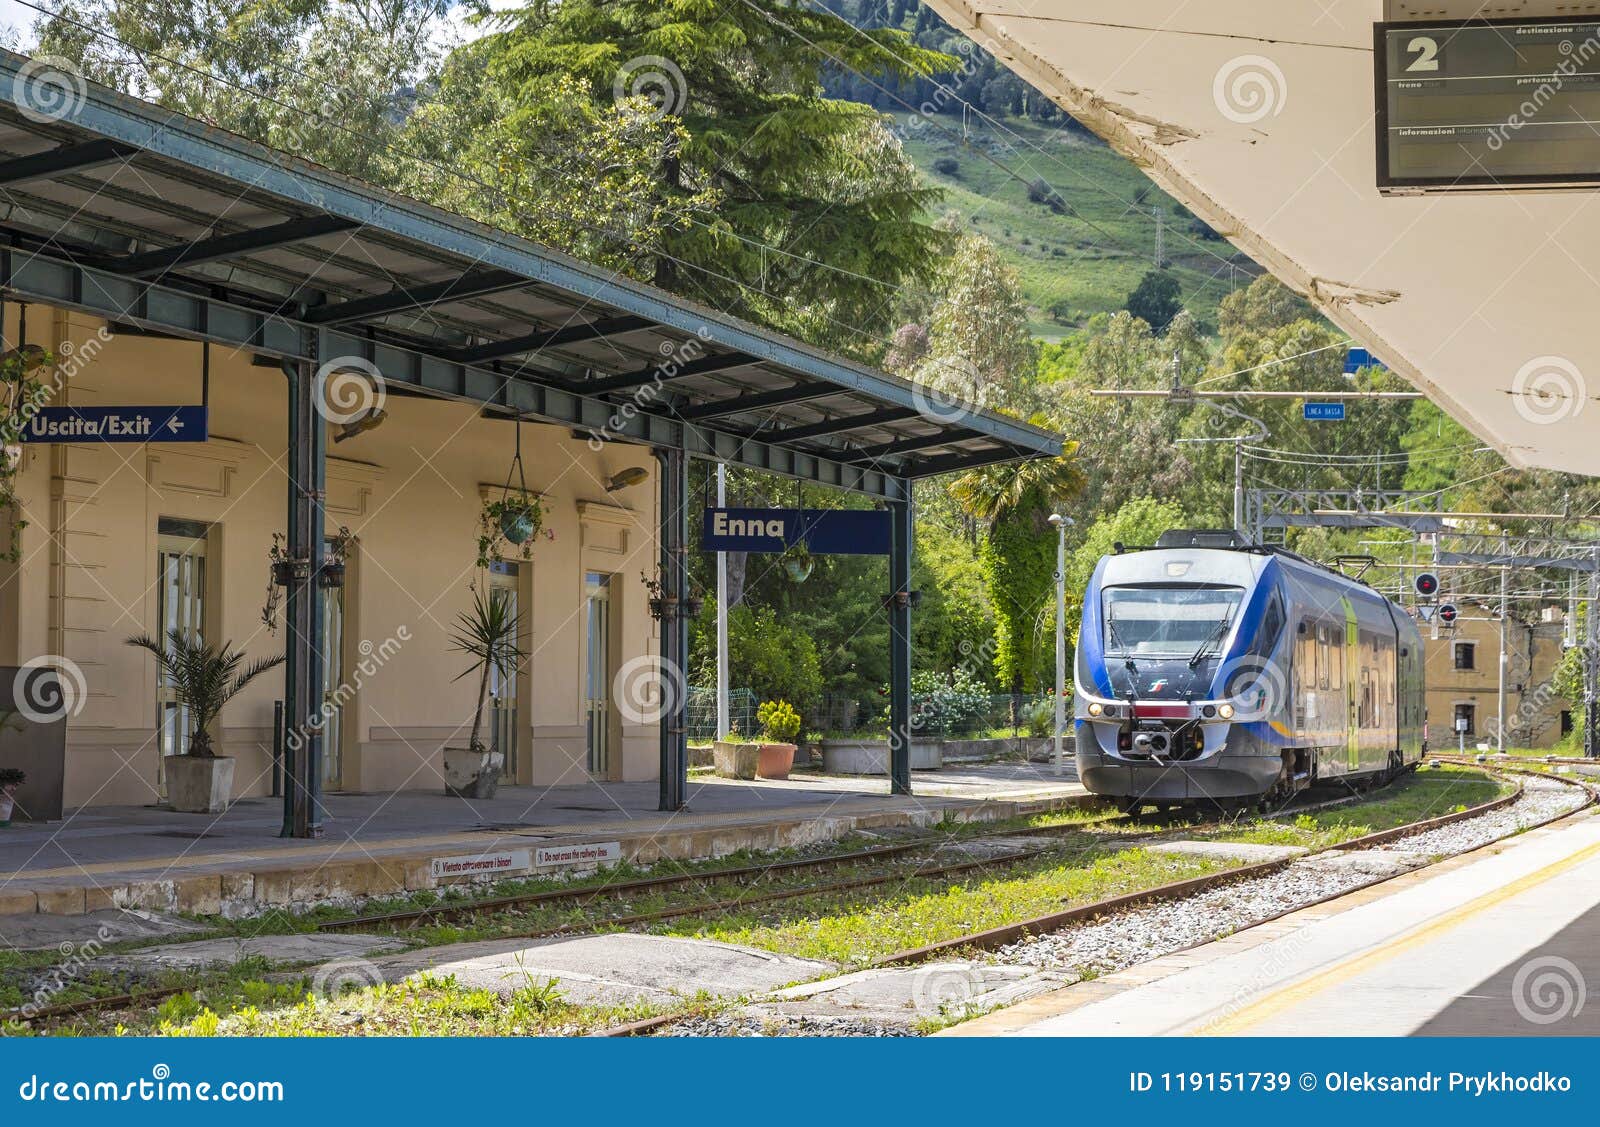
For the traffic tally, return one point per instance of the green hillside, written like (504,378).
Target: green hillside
(1085,254)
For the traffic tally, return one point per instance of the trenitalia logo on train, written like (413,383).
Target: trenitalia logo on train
(1215,672)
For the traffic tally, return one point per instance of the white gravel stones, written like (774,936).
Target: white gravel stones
(1142,934)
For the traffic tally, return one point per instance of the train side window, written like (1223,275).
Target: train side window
(1336,679)
(1323,657)
(1271,627)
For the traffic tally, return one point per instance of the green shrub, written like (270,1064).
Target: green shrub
(780,723)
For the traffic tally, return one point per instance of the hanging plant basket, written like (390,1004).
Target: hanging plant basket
(519,522)
(514,518)
(799,563)
(333,575)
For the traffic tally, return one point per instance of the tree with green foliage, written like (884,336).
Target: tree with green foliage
(818,208)
(1017,553)
(979,347)
(1156,300)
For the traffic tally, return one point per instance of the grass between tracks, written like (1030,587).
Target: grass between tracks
(1088,858)
(1430,793)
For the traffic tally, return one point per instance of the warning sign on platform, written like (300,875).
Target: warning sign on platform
(597,853)
(482,864)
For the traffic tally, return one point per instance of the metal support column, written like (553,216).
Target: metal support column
(900,643)
(302,791)
(674,536)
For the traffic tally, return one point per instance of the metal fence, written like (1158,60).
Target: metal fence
(702,707)
(999,714)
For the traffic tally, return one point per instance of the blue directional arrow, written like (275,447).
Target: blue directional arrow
(117,424)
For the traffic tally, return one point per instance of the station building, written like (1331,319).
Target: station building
(161,261)
(128,539)
(1463,678)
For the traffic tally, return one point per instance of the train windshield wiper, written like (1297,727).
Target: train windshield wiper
(1218,632)
(1122,649)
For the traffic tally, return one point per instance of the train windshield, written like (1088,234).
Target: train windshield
(1168,621)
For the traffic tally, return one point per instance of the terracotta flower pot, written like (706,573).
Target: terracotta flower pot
(775,761)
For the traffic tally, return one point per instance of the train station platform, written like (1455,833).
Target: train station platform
(1502,942)
(376,845)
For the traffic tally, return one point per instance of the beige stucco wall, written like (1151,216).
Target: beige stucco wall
(410,491)
(1533,711)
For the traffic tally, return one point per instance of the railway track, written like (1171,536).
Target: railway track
(985,940)
(589,894)
(995,938)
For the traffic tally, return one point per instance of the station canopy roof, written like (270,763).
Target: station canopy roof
(155,220)
(1484,300)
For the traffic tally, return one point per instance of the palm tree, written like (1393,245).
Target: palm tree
(994,492)
(203,679)
(487,633)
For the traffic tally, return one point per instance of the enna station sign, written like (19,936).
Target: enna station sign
(1488,104)
(824,532)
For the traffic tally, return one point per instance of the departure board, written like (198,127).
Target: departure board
(1488,104)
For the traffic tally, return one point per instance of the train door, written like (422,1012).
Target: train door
(1352,685)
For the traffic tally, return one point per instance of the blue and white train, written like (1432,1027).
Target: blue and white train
(1210,671)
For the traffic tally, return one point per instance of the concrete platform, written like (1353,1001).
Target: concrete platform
(379,845)
(1504,942)
(615,969)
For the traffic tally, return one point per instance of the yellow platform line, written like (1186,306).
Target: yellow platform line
(1278,1001)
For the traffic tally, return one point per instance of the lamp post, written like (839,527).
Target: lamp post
(1062,524)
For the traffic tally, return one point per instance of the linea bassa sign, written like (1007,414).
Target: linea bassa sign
(117,424)
(825,532)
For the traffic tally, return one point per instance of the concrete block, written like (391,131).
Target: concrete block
(274,888)
(417,873)
(18,902)
(62,901)
(200,895)
(156,895)
(238,888)
(103,898)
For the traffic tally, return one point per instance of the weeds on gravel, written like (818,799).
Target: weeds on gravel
(855,927)
(1415,798)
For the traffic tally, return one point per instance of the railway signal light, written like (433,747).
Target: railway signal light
(1427,584)
(1447,614)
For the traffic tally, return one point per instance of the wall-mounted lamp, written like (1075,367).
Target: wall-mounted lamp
(372,420)
(633,475)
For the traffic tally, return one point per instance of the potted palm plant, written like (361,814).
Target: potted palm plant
(488,634)
(10,779)
(199,781)
(780,724)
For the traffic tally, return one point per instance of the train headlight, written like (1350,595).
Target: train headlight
(1225,711)
(1097,709)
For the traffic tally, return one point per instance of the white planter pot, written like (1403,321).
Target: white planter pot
(871,757)
(472,774)
(199,786)
(735,760)
(5,809)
